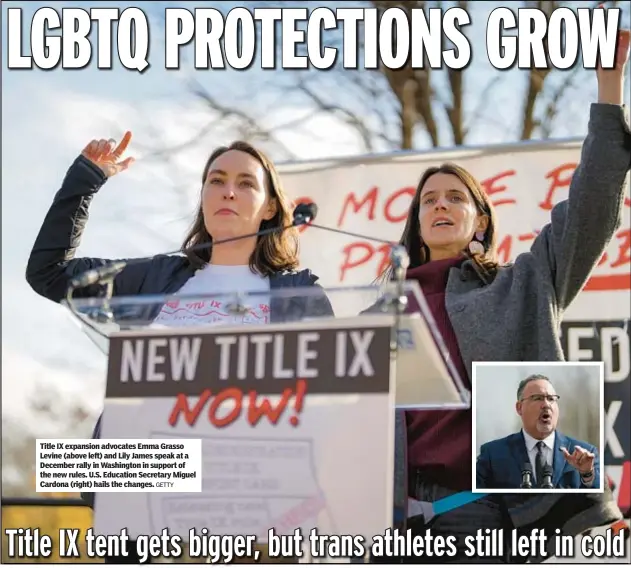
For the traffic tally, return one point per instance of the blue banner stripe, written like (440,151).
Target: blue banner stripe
(443,505)
(454,501)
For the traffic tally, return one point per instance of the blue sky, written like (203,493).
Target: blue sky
(49,116)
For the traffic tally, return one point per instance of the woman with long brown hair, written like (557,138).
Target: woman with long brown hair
(240,195)
(491,312)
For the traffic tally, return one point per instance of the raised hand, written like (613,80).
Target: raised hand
(622,54)
(611,81)
(106,155)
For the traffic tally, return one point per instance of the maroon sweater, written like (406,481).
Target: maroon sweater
(439,441)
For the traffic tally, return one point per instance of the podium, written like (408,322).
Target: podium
(292,394)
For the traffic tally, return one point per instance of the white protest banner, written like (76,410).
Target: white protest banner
(370,195)
(296,423)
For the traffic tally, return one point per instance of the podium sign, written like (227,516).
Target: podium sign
(425,375)
(296,422)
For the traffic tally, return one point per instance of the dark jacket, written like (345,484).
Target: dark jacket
(500,463)
(52,264)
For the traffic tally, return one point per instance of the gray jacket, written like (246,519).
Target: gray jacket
(517,317)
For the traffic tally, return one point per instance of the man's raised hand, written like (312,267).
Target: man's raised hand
(106,155)
(580,459)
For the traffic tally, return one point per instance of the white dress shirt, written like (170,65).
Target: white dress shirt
(531,448)
(548,454)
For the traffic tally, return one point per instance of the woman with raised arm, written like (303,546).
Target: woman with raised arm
(489,312)
(241,194)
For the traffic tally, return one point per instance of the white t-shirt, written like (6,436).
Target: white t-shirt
(218,280)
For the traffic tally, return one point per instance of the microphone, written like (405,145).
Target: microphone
(526,476)
(96,275)
(303,214)
(546,482)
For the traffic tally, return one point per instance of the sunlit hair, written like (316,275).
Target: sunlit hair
(274,252)
(411,239)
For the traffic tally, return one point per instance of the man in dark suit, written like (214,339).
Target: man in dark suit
(538,448)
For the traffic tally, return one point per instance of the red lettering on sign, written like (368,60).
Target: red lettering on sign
(560,178)
(624,248)
(366,253)
(258,406)
(491,189)
(233,395)
(528,236)
(601,282)
(598,282)
(393,211)
(505,247)
(257,411)
(297,515)
(190,414)
(350,200)
(395,207)
(624,494)
(608,282)
(408,193)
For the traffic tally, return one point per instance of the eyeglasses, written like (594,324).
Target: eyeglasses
(551,398)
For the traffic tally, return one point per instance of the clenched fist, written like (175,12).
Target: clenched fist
(106,155)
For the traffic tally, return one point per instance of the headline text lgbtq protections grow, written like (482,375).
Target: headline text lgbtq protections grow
(294,38)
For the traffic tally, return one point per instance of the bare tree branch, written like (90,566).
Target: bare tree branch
(552,107)
(536,78)
(225,110)
(455,109)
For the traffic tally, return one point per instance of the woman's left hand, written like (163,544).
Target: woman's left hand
(611,81)
(621,58)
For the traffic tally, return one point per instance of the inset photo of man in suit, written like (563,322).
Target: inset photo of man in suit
(538,455)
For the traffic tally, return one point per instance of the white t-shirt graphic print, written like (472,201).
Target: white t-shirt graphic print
(215,280)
